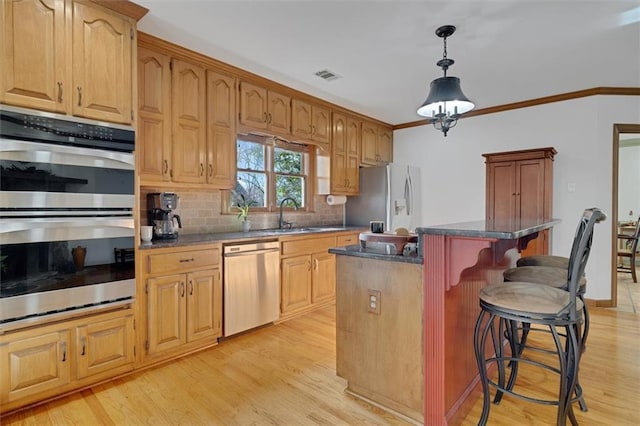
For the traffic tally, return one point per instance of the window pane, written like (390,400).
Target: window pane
(290,186)
(287,161)
(253,186)
(251,155)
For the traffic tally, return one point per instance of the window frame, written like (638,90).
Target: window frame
(308,173)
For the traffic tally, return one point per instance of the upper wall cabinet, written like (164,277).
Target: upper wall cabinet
(311,123)
(187,122)
(262,109)
(72,57)
(377,144)
(345,155)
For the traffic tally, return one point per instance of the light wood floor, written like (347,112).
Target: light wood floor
(285,375)
(628,293)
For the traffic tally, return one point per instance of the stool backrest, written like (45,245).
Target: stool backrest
(580,252)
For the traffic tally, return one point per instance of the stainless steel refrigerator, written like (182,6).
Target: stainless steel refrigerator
(387,193)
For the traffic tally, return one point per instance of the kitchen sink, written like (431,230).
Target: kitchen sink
(306,229)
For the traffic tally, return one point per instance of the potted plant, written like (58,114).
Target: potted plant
(242,204)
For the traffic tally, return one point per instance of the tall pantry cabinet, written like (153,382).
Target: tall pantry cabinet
(519,190)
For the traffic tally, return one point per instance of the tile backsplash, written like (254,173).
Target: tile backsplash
(199,212)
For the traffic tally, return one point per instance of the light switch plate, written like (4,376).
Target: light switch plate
(373,301)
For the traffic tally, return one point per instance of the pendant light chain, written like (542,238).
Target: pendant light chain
(444,57)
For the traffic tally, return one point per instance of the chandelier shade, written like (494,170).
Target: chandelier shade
(445,103)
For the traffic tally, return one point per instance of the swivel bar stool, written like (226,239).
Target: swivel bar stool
(503,305)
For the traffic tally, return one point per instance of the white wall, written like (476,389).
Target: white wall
(581,131)
(629,182)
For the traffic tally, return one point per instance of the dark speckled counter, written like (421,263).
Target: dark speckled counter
(377,253)
(235,237)
(485,229)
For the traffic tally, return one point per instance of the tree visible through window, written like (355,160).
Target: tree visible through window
(270,171)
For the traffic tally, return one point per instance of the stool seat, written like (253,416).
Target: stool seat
(547,275)
(544,260)
(529,302)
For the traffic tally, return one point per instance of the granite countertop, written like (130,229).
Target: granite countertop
(377,252)
(227,237)
(486,229)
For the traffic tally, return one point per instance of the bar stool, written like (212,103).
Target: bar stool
(503,305)
(544,260)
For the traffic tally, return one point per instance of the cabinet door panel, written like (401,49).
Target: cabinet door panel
(323,280)
(321,125)
(385,146)
(221,131)
(339,154)
(33,365)
(352,171)
(102,46)
(301,119)
(501,192)
(369,141)
(253,106)
(32,40)
(279,113)
(166,312)
(530,195)
(188,111)
(203,319)
(104,346)
(296,283)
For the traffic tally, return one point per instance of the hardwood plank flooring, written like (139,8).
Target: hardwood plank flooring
(285,375)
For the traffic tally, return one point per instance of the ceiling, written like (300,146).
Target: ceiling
(385,51)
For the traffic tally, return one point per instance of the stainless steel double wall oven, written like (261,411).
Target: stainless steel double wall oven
(66,214)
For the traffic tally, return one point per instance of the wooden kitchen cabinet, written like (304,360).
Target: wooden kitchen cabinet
(263,109)
(377,144)
(183,300)
(188,110)
(312,123)
(221,130)
(154,116)
(519,189)
(345,155)
(50,359)
(72,57)
(307,273)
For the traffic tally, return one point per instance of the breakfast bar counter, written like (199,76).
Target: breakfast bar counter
(404,338)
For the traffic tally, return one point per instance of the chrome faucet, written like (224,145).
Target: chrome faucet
(282,223)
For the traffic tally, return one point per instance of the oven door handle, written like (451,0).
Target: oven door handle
(19,231)
(16,150)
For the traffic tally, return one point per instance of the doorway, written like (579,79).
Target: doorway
(626,139)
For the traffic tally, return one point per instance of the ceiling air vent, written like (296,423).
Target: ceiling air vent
(327,75)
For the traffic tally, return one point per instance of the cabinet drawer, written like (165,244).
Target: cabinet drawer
(182,261)
(307,246)
(346,240)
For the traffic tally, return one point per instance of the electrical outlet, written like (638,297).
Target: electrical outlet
(373,301)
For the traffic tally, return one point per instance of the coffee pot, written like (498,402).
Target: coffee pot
(165,222)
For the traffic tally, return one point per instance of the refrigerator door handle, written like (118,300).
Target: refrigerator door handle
(408,194)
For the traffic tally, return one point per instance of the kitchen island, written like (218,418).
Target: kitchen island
(377,351)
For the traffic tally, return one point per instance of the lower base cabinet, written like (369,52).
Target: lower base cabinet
(45,361)
(183,300)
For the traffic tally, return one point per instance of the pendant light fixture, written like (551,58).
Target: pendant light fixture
(445,102)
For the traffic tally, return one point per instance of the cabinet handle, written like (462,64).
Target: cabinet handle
(308,265)
(310,129)
(186,260)
(84,346)
(518,194)
(79,96)
(313,132)
(181,289)
(266,117)
(210,170)
(315,264)
(201,169)
(60,91)
(166,167)
(191,287)
(64,351)
(270,118)
(513,194)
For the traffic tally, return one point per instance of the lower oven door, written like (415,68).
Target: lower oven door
(53,265)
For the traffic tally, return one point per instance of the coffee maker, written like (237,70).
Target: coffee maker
(160,214)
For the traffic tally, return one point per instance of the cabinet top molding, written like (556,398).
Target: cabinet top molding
(523,154)
(124,7)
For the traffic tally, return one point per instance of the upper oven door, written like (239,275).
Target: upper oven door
(38,177)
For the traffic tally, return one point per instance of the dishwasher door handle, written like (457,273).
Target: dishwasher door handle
(251,252)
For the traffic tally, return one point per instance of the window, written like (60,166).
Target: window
(270,170)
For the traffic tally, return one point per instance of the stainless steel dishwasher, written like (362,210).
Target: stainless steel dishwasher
(251,285)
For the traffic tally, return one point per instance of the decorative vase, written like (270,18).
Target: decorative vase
(79,254)
(246,225)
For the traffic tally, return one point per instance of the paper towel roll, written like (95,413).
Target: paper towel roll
(336,200)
